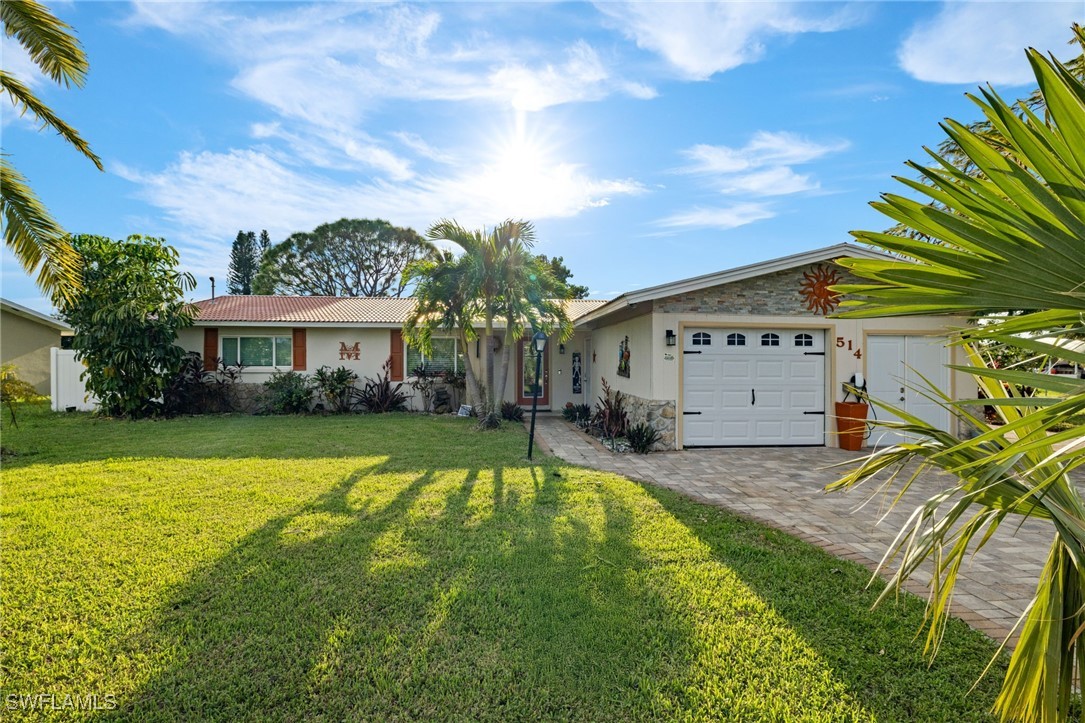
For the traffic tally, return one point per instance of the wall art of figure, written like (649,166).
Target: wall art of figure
(577,388)
(623,358)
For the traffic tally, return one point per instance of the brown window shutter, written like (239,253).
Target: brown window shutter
(397,355)
(299,350)
(210,349)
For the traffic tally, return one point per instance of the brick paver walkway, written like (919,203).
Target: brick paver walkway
(783,487)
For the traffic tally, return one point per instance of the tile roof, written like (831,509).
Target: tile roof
(379,310)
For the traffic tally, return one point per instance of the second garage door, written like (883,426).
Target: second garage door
(753,387)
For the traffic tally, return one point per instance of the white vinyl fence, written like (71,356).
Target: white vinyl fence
(68,391)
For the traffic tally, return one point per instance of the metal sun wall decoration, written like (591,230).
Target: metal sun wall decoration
(815,289)
(623,358)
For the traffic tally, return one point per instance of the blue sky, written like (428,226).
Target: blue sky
(647,141)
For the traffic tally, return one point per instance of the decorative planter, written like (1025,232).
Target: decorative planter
(851,424)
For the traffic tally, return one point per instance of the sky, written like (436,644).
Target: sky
(648,142)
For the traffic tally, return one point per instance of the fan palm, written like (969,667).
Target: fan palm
(34,237)
(1008,238)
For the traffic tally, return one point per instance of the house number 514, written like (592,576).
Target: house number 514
(856,352)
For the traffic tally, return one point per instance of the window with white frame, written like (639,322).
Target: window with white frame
(804,340)
(445,356)
(770,339)
(258,351)
(736,339)
(702,338)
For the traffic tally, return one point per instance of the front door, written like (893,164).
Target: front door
(525,381)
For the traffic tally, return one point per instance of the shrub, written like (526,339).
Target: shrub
(424,382)
(289,393)
(578,414)
(379,395)
(336,386)
(13,389)
(490,420)
(610,417)
(512,412)
(641,437)
(195,390)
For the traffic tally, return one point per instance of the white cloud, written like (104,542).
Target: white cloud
(762,166)
(984,42)
(700,39)
(777,181)
(203,193)
(723,218)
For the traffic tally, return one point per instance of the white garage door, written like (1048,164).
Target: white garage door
(753,387)
(896,366)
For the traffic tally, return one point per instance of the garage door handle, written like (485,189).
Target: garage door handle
(691,352)
(813,412)
(753,397)
(813,353)
(691,412)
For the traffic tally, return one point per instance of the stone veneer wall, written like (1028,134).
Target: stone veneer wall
(659,413)
(777,294)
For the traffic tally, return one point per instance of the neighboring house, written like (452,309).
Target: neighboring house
(741,357)
(26,336)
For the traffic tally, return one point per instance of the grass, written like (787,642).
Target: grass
(409,567)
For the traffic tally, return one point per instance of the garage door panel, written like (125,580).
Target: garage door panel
(734,370)
(805,399)
(769,370)
(753,394)
(734,399)
(701,369)
(806,369)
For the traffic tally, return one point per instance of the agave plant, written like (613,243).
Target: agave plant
(1008,251)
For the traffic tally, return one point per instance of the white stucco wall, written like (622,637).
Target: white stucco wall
(644,350)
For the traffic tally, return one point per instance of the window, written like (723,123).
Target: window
(445,356)
(257,351)
(702,339)
(770,340)
(736,340)
(804,340)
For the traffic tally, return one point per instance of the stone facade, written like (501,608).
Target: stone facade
(777,294)
(658,413)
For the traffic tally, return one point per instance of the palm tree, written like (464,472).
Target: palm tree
(1008,238)
(441,306)
(34,237)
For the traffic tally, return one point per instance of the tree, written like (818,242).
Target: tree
(1009,238)
(126,319)
(264,245)
(30,232)
(497,277)
(351,257)
(562,274)
(244,258)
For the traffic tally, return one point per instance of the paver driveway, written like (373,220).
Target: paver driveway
(784,487)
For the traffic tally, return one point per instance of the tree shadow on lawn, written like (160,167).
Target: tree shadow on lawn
(504,593)
(877,651)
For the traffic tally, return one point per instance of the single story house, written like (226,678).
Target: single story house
(742,357)
(26,336)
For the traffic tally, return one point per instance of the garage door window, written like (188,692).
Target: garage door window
(804,340)
(736,340)
(702,339)
(770,340)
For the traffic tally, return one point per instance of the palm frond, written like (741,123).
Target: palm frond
(24,99)
(49,41)
(36,240)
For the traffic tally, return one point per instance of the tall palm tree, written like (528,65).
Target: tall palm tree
(440,305)
(34,237)
(1008,238)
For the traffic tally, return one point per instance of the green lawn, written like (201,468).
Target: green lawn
(409,567)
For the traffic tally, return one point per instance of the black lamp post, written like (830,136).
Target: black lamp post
(539,342)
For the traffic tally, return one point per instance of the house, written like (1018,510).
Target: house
(26,336)
(266,334)
(743,357)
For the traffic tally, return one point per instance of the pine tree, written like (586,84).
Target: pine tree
(243,262)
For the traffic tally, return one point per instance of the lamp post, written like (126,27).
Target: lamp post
(538,341)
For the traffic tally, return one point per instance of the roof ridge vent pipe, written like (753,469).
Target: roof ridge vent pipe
(212,287)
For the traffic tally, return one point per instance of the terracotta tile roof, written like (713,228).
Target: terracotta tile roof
(328,309)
